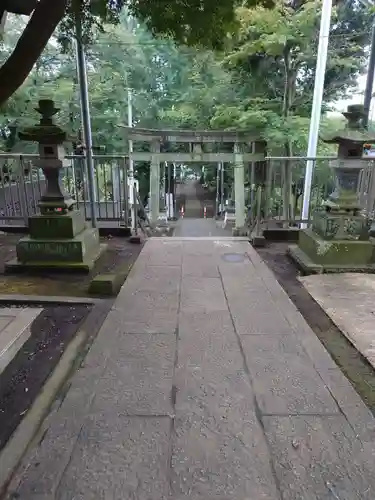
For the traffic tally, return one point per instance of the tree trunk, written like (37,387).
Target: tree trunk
(290,79)
(30,45)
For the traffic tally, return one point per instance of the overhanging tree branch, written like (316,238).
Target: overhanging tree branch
(22,7)
(42,24)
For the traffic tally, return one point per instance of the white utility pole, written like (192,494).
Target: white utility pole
(321,63)
(131,162)
(370,71)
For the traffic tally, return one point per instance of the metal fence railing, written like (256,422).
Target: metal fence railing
(22,184)
(279,197)
(111,186)
(277,201)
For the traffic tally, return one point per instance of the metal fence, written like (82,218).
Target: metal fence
(277,201)
(279,197)
(22,184)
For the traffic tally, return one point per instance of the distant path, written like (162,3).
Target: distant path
(193,228)
(194,198)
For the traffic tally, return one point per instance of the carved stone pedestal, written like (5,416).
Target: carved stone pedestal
(337,241)
(57,242)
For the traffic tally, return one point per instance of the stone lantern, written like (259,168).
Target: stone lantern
(338,239)
(50,139)
(349,164)
(60,238)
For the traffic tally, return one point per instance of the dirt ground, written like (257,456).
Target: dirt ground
(26,374)
(119,254)
(356,368)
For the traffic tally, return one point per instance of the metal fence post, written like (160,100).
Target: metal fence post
(259,210)
(125,190)
(22,191)
(217,189)
(135,204)
(221,188)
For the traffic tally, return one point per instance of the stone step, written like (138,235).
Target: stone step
(14,331)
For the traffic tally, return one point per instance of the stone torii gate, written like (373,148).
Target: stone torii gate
(197,141)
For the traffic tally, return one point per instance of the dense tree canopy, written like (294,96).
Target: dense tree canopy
(263,79)
(196,21)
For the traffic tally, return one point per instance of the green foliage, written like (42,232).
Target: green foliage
(194,22)
(262,81)
(273,57)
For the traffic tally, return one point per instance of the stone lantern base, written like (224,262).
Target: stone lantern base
(57,242)
(336,242)
(313,254)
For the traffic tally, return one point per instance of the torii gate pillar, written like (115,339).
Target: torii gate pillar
(239,186)
(155,181)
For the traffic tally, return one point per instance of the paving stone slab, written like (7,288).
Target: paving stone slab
(207,391)
(161,254)
(250,320)
(119,458)
(147,321)
(202,324)
(202,267)
(138,377)
(237,281)
(199,249)
(155,278)
(240,282)
(220,452)
(202,294)
(318,458)
(208,361)
(145,312)
(251,305)
(133,302)
(159,321)
(285,381)
(216,355)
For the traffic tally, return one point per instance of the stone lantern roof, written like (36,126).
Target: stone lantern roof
(45,131)
(353,132)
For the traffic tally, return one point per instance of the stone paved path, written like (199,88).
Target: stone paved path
(204,383)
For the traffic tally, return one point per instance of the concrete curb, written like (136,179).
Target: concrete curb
(47,300)
(13,452)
